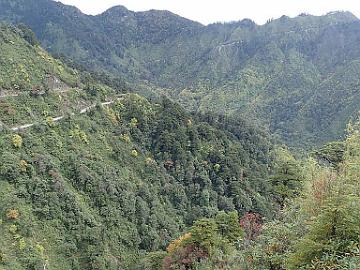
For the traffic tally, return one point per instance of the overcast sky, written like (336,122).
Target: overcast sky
(209,11)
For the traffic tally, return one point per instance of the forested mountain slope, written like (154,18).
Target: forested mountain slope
(25,66)
(296,75)
(102,186)
(317,229)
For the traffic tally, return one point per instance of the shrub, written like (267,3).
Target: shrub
(50,121)
(217,167)
(12,214)
(113,116)
(13,229)
(23,165)
(125,138)
(17,141)
(2,257)
(22,244)
(134,153)
(134,122)
(150,161)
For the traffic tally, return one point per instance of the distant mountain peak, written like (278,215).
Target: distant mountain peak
(155,14)
(69,8)
(117,11)
(342,15)
(341,12)
(247,22)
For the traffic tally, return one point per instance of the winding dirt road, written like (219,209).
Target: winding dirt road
(58,118)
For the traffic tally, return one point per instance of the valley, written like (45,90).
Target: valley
(144,140)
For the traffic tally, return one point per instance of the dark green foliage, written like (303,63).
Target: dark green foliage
(152,261)
(331,153)
(80,181)
(28,34)
(287,176)
(110,188)
(89,77)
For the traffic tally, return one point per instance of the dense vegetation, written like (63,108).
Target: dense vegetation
(129,178)
(97,190)
(105,179)
(318,229)
(298,76)
(27,67)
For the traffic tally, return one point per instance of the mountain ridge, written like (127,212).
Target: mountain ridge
(95,176)
(343,13)
(237,68)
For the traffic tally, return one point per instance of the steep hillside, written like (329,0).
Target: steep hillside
(273,73)
(103,42)
(91,178)
(25,66)
(117,180)
(317,230)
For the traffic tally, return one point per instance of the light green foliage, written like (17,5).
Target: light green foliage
(204,233)
(332,239)
(217,167)
(208,245)
(40,249)
(13,228)
(23,165)
(271,248)
(85,201)
(17,141)
(125,138)
(150,161)
(228,226)
(79,134)
(2,257)
(134,153)
(333,236)
(114,117)
(50,121)
(25,66)
(90,200)
(134,122)
(22,243)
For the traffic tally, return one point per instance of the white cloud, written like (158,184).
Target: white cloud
(224,10)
